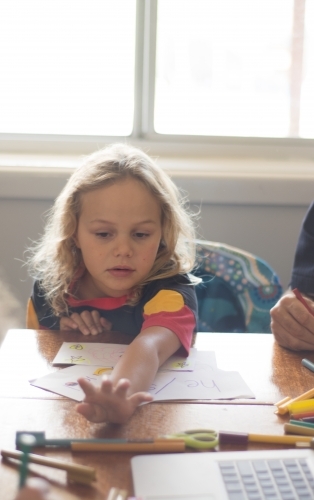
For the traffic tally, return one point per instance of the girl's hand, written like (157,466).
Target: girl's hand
(88,322)
(108,403)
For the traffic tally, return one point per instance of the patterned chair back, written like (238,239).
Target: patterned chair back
(238,289)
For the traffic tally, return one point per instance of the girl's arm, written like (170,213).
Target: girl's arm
(118,397)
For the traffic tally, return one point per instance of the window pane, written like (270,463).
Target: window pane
(223,67)
(67,66)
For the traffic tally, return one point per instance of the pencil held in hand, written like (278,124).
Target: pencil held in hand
(300,297)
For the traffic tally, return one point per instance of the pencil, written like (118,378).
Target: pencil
(298,295)
(298,429)
(78,473)
(308,364)
(158,446)
(26,442)
(243,438)
(285,407)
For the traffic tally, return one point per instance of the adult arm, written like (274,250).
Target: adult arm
(291,323)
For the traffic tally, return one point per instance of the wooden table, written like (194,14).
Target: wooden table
(270,371)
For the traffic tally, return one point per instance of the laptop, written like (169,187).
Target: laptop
(239,475)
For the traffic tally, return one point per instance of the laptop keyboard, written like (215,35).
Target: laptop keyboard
(288,479)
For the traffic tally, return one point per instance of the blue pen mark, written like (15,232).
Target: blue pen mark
(166,385)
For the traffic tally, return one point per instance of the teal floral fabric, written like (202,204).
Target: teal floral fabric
(238,289)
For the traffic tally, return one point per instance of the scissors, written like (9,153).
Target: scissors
(200,439)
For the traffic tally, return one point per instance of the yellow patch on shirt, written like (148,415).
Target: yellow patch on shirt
(31,316)
(165,300)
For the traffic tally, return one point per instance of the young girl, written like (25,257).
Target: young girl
(114,255)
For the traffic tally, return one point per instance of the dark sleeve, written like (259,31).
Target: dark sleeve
(46,317)
(303,267)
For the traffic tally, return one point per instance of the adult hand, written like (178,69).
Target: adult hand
(108,403)
(36,489)
(88,322)
(292,324)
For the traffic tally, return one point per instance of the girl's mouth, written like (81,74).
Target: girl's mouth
(120,272)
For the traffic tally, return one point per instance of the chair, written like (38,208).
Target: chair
(237,292)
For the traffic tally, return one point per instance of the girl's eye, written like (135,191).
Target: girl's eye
(141,236)
(103,235)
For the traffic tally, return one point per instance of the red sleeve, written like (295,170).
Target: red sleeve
(167,309)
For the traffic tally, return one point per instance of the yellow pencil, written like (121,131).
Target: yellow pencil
(242,438)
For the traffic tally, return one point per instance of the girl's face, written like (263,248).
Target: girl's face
(119,233)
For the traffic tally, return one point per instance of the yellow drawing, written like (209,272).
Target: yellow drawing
(180,364)
(101,371)
(77,360)
(77,347)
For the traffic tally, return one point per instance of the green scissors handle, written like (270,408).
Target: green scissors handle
(201,439)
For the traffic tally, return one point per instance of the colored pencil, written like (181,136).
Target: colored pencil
(77,473)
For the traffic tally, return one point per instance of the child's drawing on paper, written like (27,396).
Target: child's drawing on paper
(98,354)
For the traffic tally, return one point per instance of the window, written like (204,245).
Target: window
(67,67)
(157,70)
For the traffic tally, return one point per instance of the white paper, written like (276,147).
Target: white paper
(95,354)
(89,353)
(64,382)
(205,382)
(199,384)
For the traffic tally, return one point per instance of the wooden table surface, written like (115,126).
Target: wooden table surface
(270,371)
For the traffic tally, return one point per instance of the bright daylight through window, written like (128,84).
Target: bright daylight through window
(239,68)
(67,67)
(235,68)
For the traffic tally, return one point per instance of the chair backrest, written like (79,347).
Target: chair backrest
(238,289)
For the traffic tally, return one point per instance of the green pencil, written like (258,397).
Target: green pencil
(26,443)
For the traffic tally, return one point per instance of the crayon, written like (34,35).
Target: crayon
(309,425)
(308,364)
(298,429)
(301,406)
(299,416)
(244,438)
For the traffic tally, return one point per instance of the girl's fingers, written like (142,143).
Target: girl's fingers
(80,323)
(89,321)
(96,318)
(89,389)
(141,397)
(67,324)
(122,387)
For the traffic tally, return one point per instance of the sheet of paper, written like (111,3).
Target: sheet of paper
(196,359)
(205,382)
(89,353)
(95,354)
(64,382)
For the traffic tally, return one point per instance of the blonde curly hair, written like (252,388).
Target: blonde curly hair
(55,260)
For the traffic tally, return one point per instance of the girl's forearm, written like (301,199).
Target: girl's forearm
(139,364)
(144,356)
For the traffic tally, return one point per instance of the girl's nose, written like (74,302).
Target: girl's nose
(123,248)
